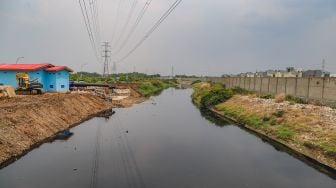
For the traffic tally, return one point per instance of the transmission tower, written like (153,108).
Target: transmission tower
(106,56)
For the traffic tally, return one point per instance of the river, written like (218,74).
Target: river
(163,142)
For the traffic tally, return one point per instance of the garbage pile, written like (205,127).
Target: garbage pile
(7,91)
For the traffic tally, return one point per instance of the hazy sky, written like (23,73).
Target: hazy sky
(203,37)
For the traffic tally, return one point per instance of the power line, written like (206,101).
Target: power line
(97,18)
(133,28)
(93,10)
(150,32)
(89,31)
(116,23)
(129,16)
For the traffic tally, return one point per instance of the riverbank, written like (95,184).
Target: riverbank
(28,121)
(307,129)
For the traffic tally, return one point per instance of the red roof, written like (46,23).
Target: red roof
(58,68)
(24,67)
(32,67)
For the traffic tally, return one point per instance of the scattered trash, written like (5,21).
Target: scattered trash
(65,135)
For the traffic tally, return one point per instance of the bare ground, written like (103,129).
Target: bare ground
(26,121)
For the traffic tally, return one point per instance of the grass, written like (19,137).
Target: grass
(284,133)
(152,87)
(297,128)
(294,100)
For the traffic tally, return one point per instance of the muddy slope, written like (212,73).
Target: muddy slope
(25,121)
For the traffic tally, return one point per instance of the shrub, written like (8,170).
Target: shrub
(195,82)
(267,96)
(266,118)
(280,98)
(215,97)
(239,90)
(279,113)
(157,83)
(293,99)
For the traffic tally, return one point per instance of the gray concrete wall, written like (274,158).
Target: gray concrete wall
(322,90)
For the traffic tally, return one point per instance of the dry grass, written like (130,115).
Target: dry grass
(300,126)
(280,98)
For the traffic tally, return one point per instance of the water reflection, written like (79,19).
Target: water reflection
(215,120)
(163,142)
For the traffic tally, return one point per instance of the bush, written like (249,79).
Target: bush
(239,90)
(157,83)
(280,98)
(266,118)
(195,82)
(293,99)
(279,113)
(267,96)
(215,97)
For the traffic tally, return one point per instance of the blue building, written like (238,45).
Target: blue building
(53,78)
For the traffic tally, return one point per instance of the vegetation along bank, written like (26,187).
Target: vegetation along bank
(305,128)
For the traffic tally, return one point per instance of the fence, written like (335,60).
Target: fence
(322,90)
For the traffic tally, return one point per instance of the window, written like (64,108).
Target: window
(51,86)
(62,86)
(37,73)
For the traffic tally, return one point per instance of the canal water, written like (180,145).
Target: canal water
(163,142)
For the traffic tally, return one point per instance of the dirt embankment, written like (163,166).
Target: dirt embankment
(305,128)
(133,97)
(28,120)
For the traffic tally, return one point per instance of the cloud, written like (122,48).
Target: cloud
(200,37)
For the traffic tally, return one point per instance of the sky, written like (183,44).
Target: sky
(200,37)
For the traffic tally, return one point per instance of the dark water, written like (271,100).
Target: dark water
(168,144)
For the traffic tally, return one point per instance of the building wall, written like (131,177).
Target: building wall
(9,77)
(50,81)
(58,80)
(322,90)
(62,78)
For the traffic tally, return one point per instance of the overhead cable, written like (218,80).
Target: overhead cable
(150,32)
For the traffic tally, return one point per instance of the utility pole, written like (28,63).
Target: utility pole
(323,65)
(114,68)
(17,60)
(172,72)
(106,56)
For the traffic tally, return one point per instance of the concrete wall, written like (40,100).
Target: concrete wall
(322,90)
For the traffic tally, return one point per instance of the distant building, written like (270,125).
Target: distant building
(53,78)
(289,72)
(333,75)
(315,73)
(248,74)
